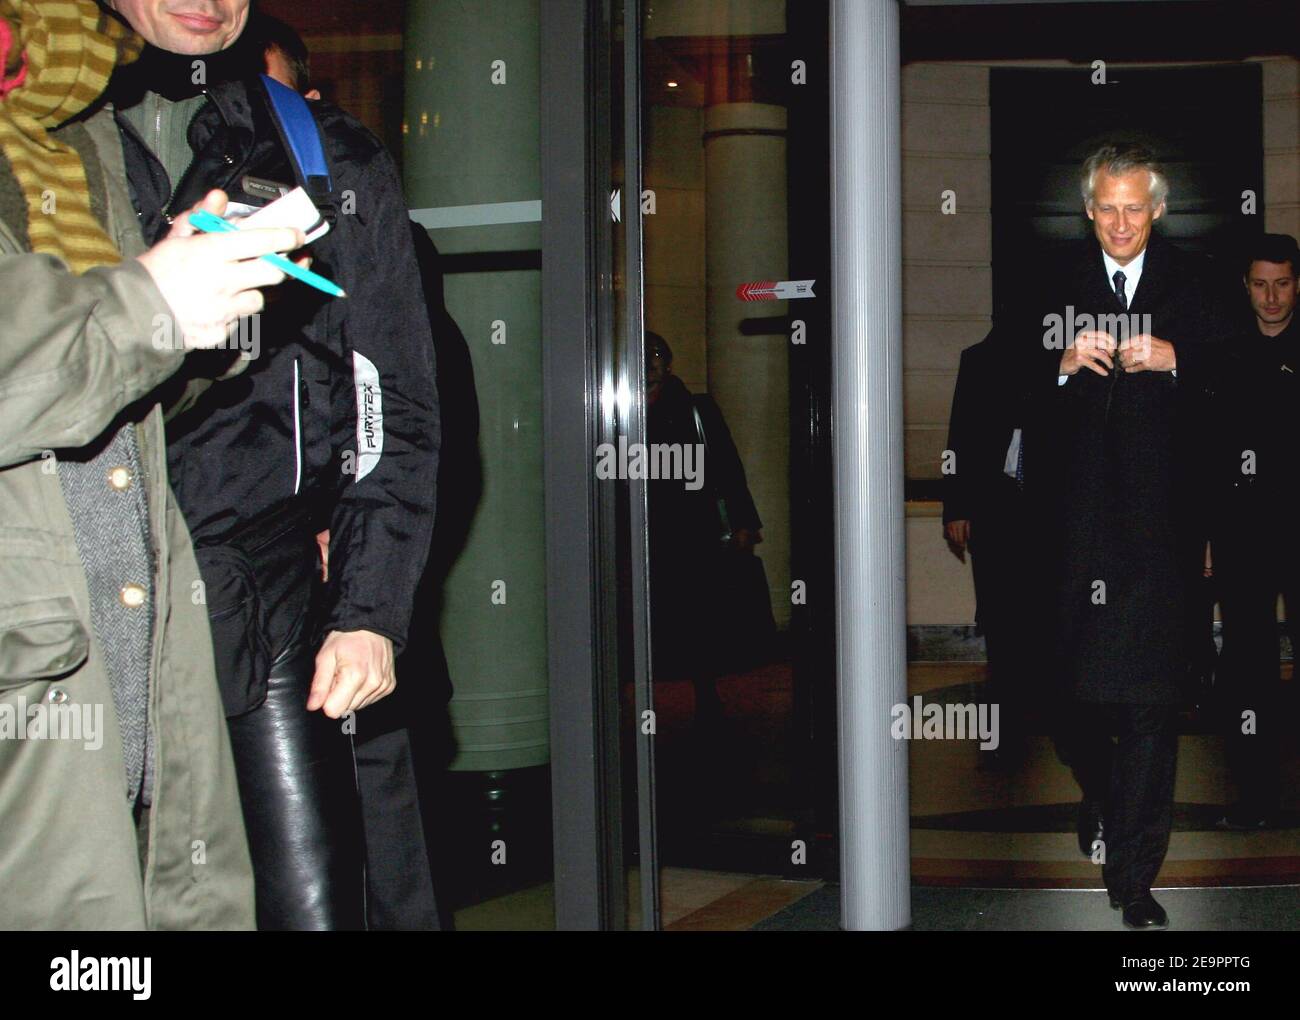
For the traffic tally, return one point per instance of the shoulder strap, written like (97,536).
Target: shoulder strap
(302,136)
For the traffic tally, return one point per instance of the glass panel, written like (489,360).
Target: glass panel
(736,359)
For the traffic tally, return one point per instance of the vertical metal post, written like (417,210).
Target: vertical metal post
(638,522)
(577,329)
(866,198)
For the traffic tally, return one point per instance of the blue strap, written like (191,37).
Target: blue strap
(300,132)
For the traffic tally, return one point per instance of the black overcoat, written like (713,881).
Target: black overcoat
(1120,472)
(987,408)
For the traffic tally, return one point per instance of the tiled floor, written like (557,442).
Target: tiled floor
(690,901)
(1236,909)
(978,826)
(767,904)
(991,849)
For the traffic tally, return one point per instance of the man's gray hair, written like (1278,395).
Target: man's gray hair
(1118,160)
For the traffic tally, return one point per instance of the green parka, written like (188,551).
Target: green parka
(75,352)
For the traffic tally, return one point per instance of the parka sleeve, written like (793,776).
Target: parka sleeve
(74,351)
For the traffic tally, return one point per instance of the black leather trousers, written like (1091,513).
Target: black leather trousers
(297,781)
(297,769)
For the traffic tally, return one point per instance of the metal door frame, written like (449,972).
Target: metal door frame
(582,376)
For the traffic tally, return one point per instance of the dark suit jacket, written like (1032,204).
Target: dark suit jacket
(986,410)
(1119,464)
(1256,401)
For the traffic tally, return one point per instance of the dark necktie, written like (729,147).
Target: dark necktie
(1119,279)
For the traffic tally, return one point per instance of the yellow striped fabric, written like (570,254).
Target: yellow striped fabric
(72,47)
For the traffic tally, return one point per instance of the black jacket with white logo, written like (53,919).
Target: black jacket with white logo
(337,412)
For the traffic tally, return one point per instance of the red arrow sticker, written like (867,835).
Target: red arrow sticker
(775,290)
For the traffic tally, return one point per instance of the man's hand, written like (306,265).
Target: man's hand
(744,540)
(1091,350)
(354,668)
(211,281)
(1147,353)
(958,535)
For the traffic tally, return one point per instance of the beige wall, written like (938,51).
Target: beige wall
(939,588)
(674,238)
(1282,145)
(947,259)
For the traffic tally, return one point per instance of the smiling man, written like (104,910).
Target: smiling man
(1112,458)
(190,27)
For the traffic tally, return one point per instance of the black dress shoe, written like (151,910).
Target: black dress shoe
(1145,914)
(1089,825)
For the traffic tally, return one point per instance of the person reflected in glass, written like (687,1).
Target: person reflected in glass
(709,602)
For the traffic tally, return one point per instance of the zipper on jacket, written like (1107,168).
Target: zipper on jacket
(207,94)
(156,169)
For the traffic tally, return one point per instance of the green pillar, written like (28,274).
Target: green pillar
(471,139)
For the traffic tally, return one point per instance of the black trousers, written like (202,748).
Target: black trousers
(296,769)
(1009,603)
(1254,562)
(393,772)
(1125,757)
(297,782)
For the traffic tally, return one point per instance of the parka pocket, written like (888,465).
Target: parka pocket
(240,649)
(40,639)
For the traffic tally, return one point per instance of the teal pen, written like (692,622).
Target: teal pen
(210,223)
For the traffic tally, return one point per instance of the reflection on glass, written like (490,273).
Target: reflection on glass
(732,801)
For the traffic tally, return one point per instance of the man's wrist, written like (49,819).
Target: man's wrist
(378,629)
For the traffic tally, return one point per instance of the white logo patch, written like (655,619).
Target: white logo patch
(370,414)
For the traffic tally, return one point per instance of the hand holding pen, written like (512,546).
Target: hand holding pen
(212,281)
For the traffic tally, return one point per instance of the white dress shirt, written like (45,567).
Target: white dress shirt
(1132,274)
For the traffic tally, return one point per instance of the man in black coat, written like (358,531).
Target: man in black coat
(1127,346)
(332,423)
(1255,554)
(404,742)
(986,514)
